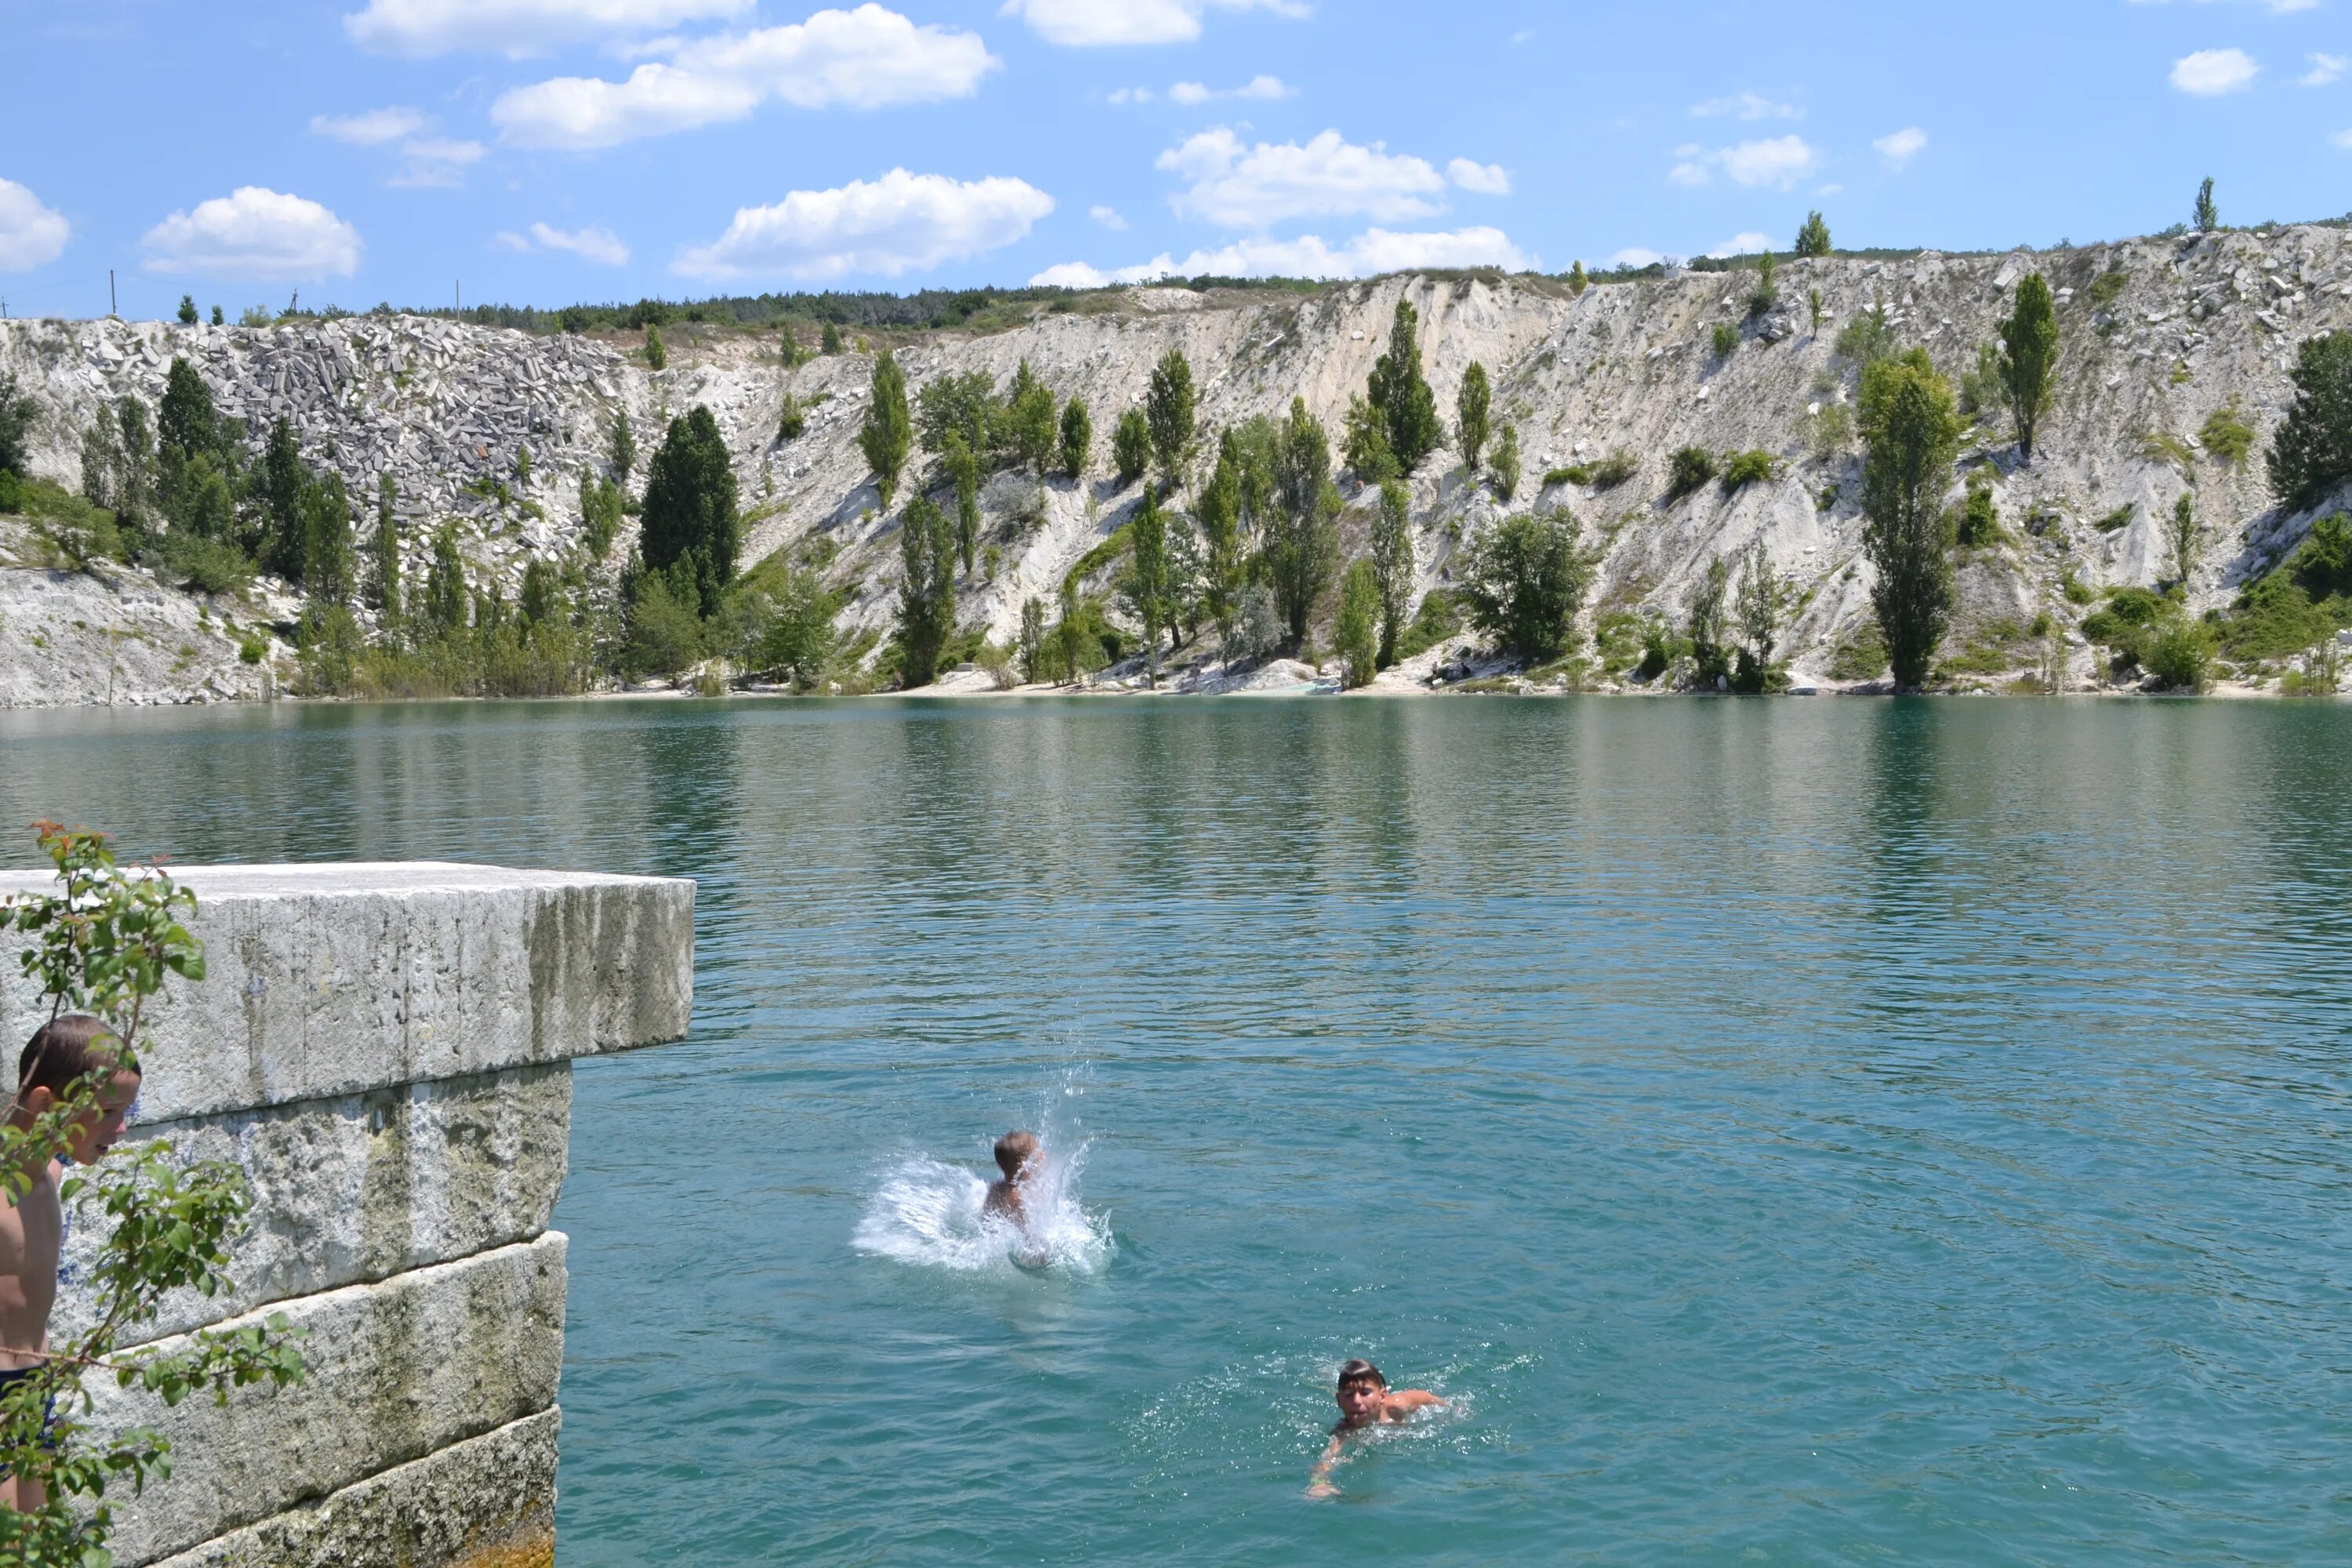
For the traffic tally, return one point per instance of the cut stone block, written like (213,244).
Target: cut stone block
(325,980)
(394,1372)
(357,1189)
(487,1502)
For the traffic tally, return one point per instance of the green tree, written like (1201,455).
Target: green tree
(101,458)
(1813,238)
(1218,510)
(1033,640)
(284,479)
(185,422)
(1867,337)
(1980,516)
(963,407)
(1525,580)
(1078,437)
(689,510)
(1910,433)
(962,461)
(1577,281)
(1146,587)
(522,468)
(1393,567)
(926,591)
(1169,407)
(98,951)
(542,594)
(656,356)
(383,555)
(601,510)
(187,310)
(796,637)
(1364,443)
(1760,602)
(2029,360)
(1070,635)
(2208,215)
(1353,636)
(1506,466)
(326,541)
(664,633)
(1767,292)
(1710,657)
(624,460)
(444,586)
(887,433)
(831,341)
(2311,455)
(216,315)
(1300,546)
(1402,395)
(1131,446)
(2183,538)
(1470,410)
(1030,413)
(791,418)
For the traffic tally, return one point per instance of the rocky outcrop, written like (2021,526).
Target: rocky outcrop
(385,1052)
(2158,334)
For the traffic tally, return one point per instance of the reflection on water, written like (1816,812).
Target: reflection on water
(1797,1131)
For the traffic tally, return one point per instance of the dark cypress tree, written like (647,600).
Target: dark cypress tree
(2311,456)
(187,421)
(2209,217)
(1399,390)
(383,557)
(327,540)
(187,310)
(689,507)
(283,483)
(444,610)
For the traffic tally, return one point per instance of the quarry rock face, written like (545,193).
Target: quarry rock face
(385,1052)
(2157,335)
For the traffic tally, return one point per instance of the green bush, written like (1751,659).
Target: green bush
(205,566)
(2116,520)
(252,648)
(1525,580)
(1860,656)
(1867,337)
(1741,469)
(2227,435)
(2181,654)
(1687,469)
(1614,470)
(1979,517)
(1724,340)
(1574,474)
(1439,618)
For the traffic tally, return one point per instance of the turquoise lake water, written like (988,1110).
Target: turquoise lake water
(1787,1133)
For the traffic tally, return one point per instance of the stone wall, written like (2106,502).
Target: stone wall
(385,1049)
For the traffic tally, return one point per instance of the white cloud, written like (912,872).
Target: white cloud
(1748,244)
(2342,139)
(1745,106)
(600,246)
(1779,161)
(899,223)
(518,27)
(1264,86)
(30,232)
(1486,179)
(865,58)
(255,233)
(1902,146)
(1239,186)
(1375,251)
(370,129)
(435,161)
(1635,256)
(1126,95)
(2209,73)
(1089,23)
(1109,217)
(2325,68)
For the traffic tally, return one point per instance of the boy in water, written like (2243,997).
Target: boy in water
(1015,1153)
(69,1051)
(1365,1401)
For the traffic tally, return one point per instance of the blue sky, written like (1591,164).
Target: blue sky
(548,150)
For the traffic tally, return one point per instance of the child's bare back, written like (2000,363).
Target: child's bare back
(1015,1152)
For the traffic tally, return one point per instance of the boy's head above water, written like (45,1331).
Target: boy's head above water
(77,1050)
(1014,1152)
(1361,1387)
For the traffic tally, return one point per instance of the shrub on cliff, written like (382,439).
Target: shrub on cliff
(1077,436)
(102,947)
(1813,238)
(1472,406)
(1687,469)
(1131,446)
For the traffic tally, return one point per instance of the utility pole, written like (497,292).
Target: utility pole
(109,293)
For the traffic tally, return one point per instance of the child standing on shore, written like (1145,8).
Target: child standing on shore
(70,1052)
(1365,1401)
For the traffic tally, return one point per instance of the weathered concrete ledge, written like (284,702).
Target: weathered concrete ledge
(386,1051)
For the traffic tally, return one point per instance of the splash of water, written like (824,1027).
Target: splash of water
(931,1213)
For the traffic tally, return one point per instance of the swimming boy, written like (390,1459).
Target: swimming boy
(1015,1153)
(1365,1400)
(70,1051)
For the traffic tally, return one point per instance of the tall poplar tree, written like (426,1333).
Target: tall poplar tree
(1352,634)
(1402,395)
(926,591)
(888,433)
(2029,358)
(1471,407)
(1169,410)
(1078,437)
(1393,567)
(1146,589)
(1911,432)
(1301,540)
(383,557)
